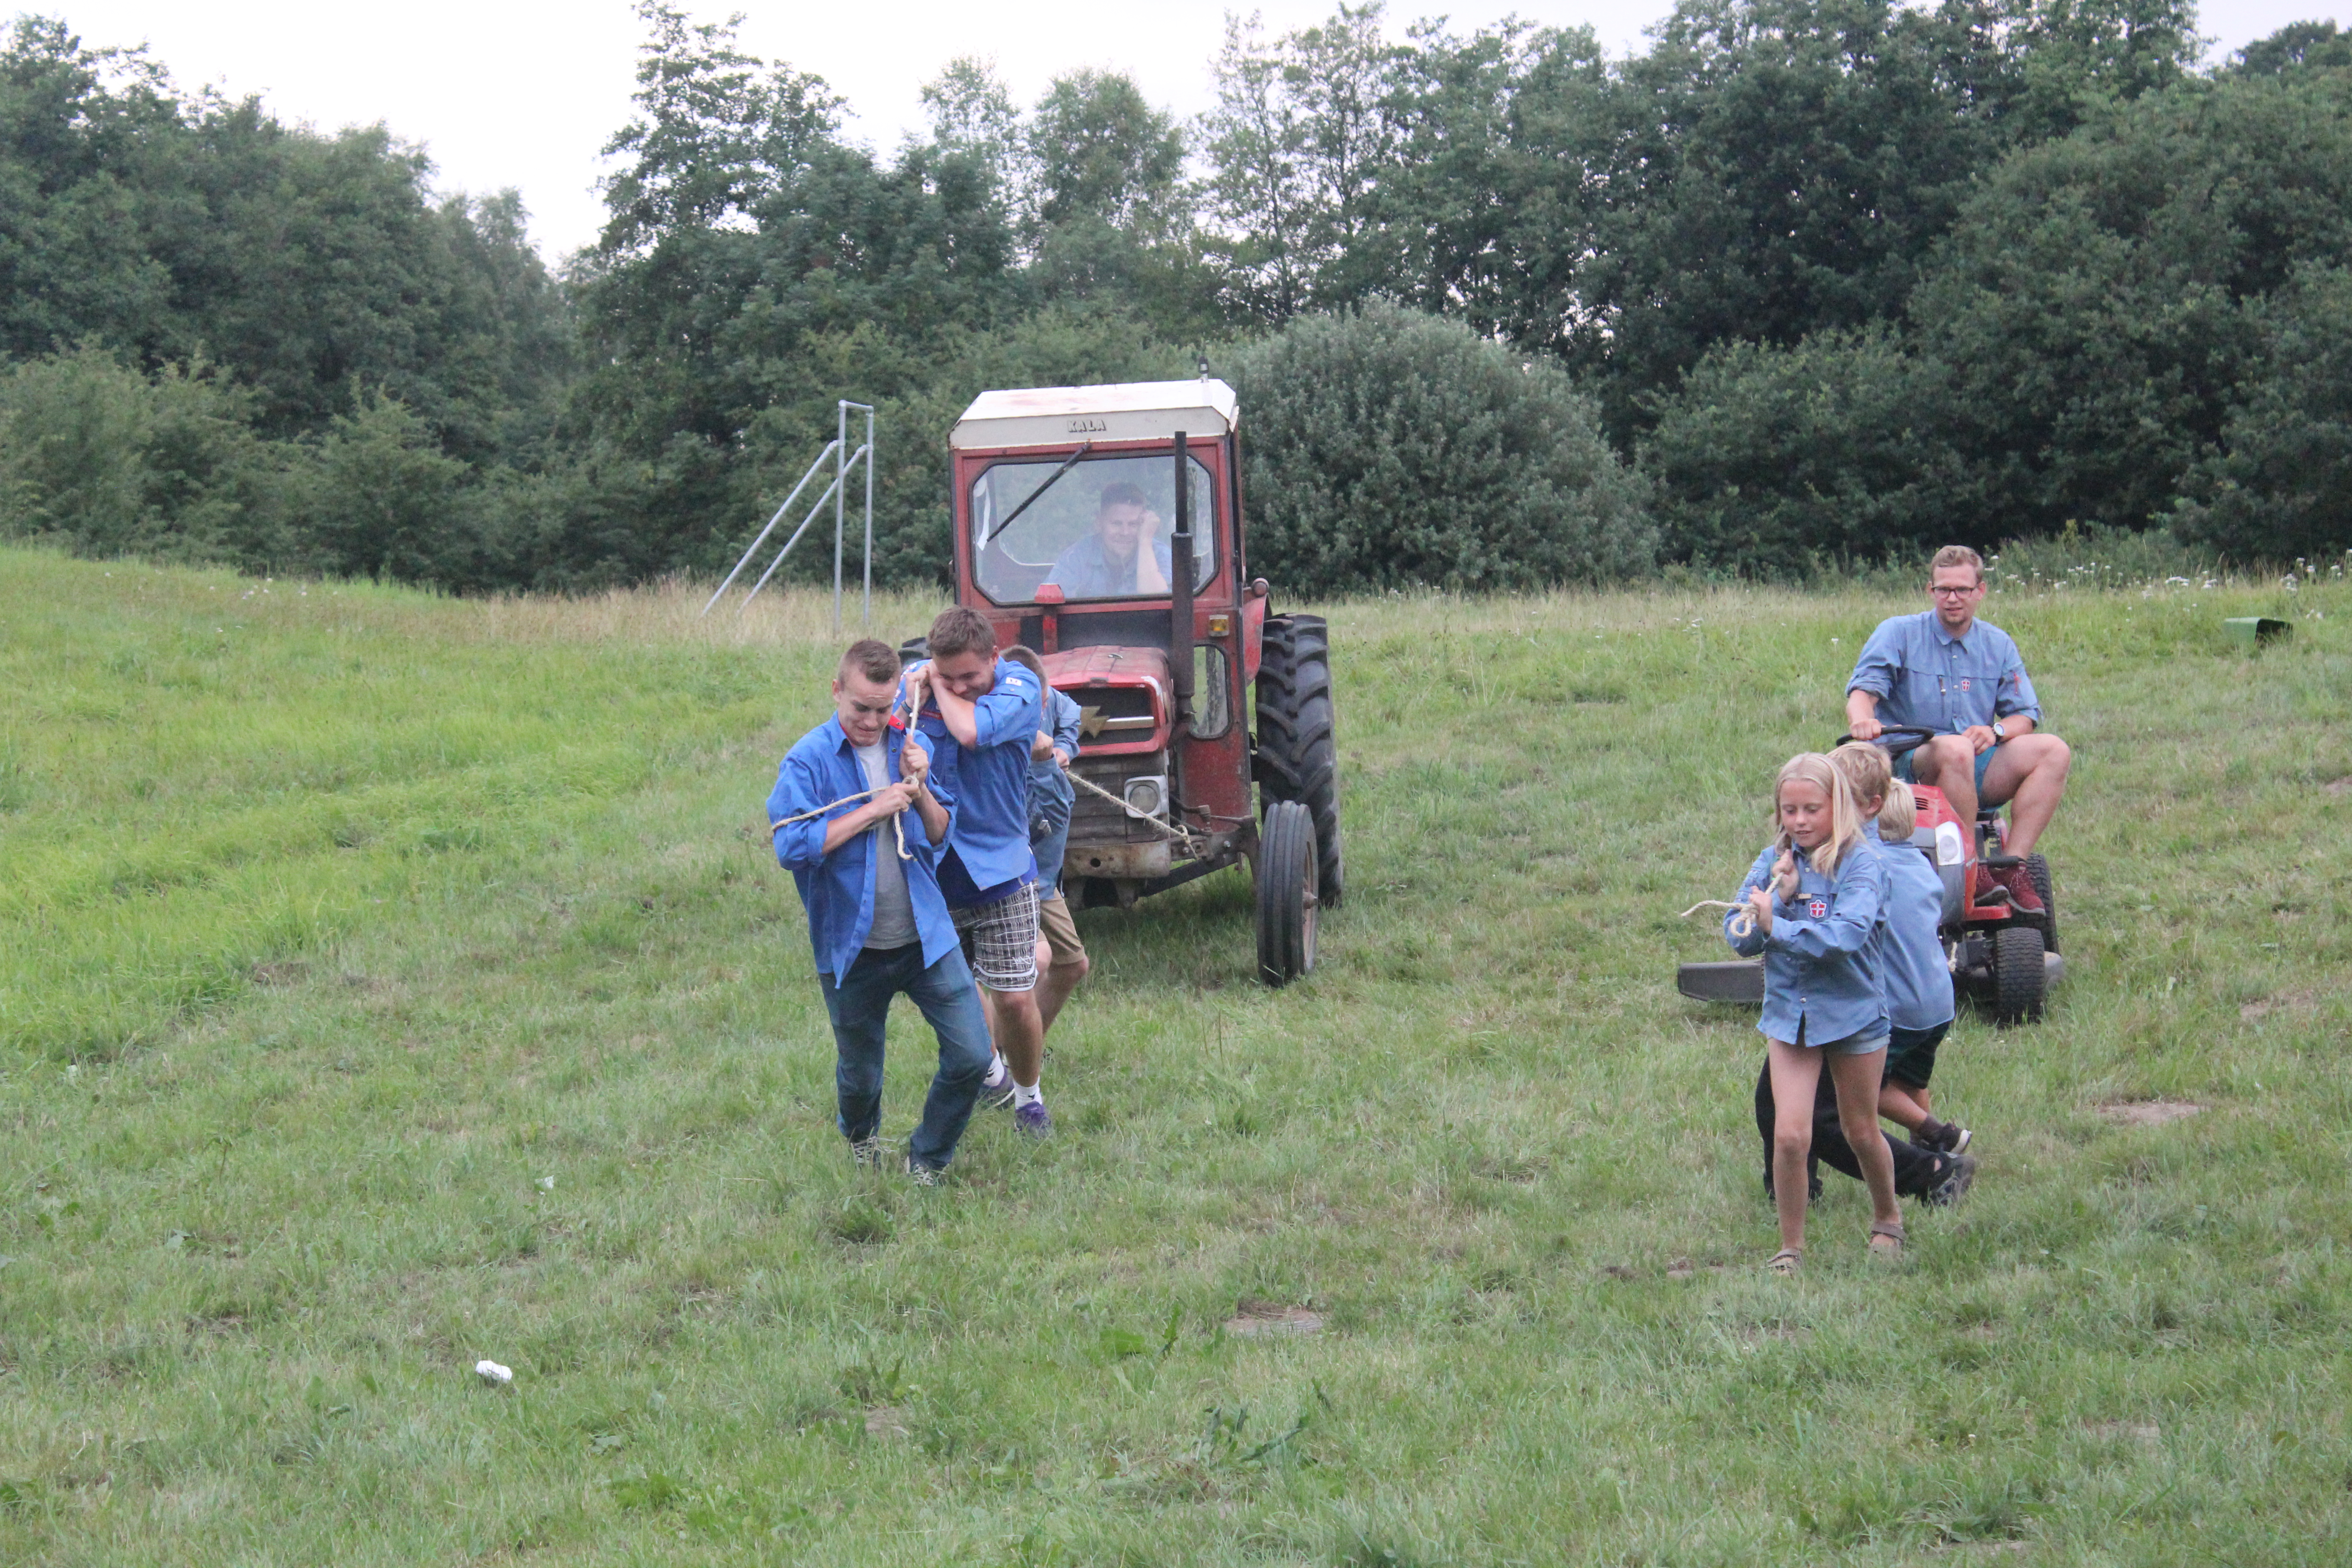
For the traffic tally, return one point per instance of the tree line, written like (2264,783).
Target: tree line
(1804,284)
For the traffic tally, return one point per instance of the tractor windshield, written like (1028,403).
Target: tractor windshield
(1100,532)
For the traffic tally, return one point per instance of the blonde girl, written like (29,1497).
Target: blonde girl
(1812,902)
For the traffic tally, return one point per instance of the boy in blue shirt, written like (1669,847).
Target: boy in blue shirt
(981,714)
(1052,796)
(877,922)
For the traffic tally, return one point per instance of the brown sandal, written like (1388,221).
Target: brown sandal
(1787,1260)
(1880,1231)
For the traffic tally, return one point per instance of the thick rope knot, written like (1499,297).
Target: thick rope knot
(1742,925)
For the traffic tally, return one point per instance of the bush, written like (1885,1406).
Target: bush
(1389,449)
(107,462)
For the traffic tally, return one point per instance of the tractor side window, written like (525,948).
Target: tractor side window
(1213,696)
(1097,532)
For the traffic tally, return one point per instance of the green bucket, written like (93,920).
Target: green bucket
(2257,631)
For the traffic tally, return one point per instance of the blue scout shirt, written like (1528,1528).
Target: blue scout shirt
(838,889)
(988,845)
(1820,977)
(1930,680)
(1051,793)
(1911,948)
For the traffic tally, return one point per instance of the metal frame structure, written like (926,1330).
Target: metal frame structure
(843,460)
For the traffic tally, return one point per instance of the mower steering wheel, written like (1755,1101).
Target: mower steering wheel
(1897,740)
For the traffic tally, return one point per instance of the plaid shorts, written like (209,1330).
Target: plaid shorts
(1001,939)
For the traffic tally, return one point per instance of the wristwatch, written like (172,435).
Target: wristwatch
(1999,732)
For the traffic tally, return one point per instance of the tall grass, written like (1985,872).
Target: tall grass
(390,982)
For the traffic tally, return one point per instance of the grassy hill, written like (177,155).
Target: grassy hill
(388,981)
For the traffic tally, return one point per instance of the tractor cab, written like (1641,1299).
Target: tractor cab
(1102,527)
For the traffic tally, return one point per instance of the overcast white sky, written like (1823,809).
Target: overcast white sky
(524,92)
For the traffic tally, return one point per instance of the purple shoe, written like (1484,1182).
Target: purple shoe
(1033,1120)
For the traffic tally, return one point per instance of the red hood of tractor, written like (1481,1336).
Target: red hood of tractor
(1118,688)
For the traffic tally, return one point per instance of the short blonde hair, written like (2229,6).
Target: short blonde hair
(1956,555)
(1845,813)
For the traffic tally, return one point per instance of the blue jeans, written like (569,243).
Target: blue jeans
(859,1005)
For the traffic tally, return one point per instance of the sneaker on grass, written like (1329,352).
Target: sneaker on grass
(1033,1120)
(1950,1138)
(924,1176)
(1956,1183)
(997,1095)
(867,1153)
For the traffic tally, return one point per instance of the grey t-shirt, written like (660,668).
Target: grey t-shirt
(894,912)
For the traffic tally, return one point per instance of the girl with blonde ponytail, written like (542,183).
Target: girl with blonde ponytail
(1814,897)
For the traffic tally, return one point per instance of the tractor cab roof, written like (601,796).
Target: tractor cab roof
(1128,411)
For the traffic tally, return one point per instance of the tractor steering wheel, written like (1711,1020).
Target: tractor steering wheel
(1897,740)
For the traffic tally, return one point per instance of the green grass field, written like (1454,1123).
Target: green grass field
(388,983)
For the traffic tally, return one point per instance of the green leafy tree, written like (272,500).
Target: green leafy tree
(1387,449)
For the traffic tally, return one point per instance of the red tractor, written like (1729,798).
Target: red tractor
(1102,527)
(2008,957)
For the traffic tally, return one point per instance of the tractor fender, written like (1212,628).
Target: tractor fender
(1253,637)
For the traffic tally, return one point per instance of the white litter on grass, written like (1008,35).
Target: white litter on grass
(546,1183)
(491,1372)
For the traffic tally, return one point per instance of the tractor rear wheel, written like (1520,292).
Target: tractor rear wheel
(2037,871)
(1296,756)
(1287,901)
(2019,976)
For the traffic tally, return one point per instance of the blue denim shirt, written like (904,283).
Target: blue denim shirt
(1821,971)
(991,781)
(1911,947)
(838,889)
(1051,793)
(1927,679)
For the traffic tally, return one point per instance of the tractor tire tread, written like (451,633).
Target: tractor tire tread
(1296,754)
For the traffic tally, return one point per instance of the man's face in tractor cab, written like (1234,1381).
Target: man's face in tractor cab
(1124,524)
(1956,592)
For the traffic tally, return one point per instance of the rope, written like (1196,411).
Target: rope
(1180,834)
(1742,925)
(897,819)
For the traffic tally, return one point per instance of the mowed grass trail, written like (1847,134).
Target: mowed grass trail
(388,983)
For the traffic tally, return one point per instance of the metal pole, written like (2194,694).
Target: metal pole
(763,539)
(787,550)
(840,497)
(867,614)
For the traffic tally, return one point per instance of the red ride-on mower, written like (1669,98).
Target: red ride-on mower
(2006,957)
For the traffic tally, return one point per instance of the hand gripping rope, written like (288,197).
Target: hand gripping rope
(898,820)
(1742,925)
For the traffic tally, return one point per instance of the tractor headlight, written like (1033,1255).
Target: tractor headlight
(1147,795)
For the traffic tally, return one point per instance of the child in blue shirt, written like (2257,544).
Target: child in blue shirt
(1918,975)
(1811,904)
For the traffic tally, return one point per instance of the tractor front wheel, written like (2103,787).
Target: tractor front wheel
(1288,893)
(1296,754)
(2019,975)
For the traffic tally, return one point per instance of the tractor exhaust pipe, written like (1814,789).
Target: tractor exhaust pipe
(1180,604)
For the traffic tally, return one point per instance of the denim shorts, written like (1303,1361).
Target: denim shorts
(1860,1045)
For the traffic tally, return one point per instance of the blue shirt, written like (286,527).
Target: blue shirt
(1085,571)
(988,847)
(1821,981)
(1051,793)
(1911,945)
(838,889)
(1927,679)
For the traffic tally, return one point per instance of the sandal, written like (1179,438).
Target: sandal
(1880,1231)
(1785,1261)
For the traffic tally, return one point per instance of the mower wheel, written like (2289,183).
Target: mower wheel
(1287,904)
(1296,754)
(2019,976)
(2037,870)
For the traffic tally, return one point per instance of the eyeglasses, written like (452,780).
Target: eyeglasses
(1955,592)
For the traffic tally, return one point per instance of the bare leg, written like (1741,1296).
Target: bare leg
(2030,774)
(1949,763)
(1054,984)
(1896,1104)
(1019,1032)
(1795,1073)
(1857,1080)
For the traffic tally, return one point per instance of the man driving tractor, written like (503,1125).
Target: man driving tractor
(1123,557)
(1945,670)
